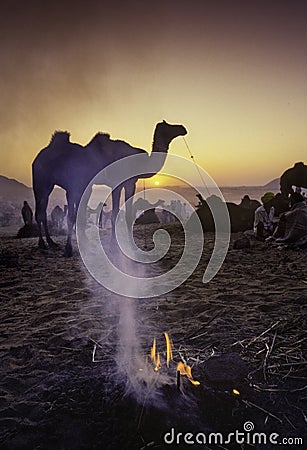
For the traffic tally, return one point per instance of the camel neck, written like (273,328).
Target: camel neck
(159,145)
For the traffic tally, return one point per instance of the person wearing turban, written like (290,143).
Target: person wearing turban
(263,222)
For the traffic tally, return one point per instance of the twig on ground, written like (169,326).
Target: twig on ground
(260,388)
(278,365)
(267,355)
(265,361)
(192,336)
(93,353)
(289,421)
(263,333)
(149,445)
(251,404)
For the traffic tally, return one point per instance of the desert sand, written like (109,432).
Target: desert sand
(63,385)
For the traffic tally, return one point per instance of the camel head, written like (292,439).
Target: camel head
(166,132)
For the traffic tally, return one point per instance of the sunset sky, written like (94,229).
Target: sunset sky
(234,73)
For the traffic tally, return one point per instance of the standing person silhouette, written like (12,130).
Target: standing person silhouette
(27,213)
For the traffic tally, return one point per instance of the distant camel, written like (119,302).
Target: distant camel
(148,215)
(241,218)
(104,216)
(27,213)
(248,203)
(295,176)
(57,217)
(96,211)
(141,205)
(72,167)
(101,216)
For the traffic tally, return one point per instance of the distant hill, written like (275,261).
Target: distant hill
(272,185)
(13,191)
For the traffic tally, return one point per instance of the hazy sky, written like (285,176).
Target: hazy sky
(233,72)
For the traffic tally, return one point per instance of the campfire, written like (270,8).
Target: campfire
(183,369)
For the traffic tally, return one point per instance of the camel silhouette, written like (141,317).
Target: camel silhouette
(148,215)
(72,166)
(295,176)
(248,203)
(101,216)
(96,211)
(57,217)
(241,218)
(142,204)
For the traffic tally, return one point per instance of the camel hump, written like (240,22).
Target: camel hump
(60,137)
(100,139)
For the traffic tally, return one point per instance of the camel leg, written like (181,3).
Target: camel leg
(41,242)
(50,241)
(41,219)
(73,205)
(70,224)
(83,212)
(39,213)
(115,207)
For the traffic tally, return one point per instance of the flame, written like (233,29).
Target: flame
(169,353)
(158,363)
(154,356)
(153,351)
(235,392)
(184,369)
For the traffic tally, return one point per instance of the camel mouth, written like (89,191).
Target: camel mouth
(184,131)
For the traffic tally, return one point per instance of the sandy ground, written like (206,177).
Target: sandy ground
(61,384)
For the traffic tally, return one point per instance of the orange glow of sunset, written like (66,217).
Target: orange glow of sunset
(159,181)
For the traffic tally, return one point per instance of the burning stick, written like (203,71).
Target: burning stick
(184,369)
(154,356)
(169,353)
(153,351)
(158,363)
